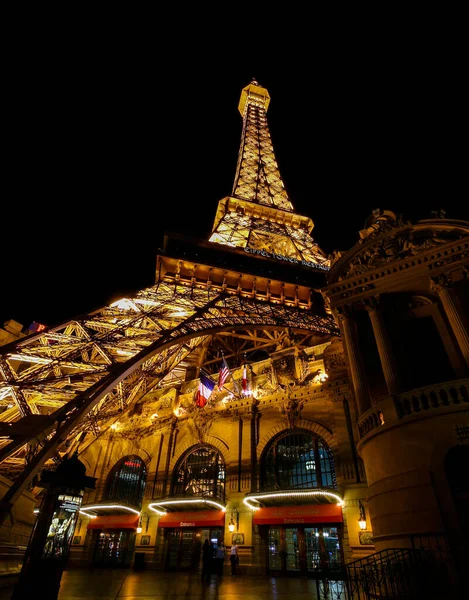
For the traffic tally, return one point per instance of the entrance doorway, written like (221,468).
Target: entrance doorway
(185,547)
(114,548)
(302,551)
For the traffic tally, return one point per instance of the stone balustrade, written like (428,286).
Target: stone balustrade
(421,402)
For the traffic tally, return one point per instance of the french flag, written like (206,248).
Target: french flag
(245,381)
(205,390)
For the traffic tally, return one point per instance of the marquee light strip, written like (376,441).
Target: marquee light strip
(119,506)
(265,495)
(195,501)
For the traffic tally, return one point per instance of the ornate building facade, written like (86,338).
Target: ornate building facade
(314,409)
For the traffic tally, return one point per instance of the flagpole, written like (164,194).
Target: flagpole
(239,394)
(204,387)
(230,374)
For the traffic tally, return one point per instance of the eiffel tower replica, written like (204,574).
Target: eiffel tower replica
(250,290)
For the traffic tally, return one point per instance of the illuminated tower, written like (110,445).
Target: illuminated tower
(329,437)
(260,270)
(258,216)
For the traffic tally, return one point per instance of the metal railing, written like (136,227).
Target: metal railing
(393,574)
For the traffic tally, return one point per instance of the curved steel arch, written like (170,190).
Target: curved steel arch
(107,359)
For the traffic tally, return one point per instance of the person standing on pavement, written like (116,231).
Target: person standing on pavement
(208,556)
(233,558)
(220,558)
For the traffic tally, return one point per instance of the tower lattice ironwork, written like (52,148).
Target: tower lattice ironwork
(63,387)
(258,216)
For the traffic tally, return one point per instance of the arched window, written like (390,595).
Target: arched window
(127,480)
(297,459)
(200,472)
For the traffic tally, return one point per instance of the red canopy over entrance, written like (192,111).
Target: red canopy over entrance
(203,518)
(283,515)
(114,522)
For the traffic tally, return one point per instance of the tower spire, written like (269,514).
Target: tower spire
(257,176)
(259,216)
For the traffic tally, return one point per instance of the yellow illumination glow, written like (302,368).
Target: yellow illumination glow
(178,313)
(195,501)
(158,512)
(82,512)
(104,506)
(124,304)
(361,516)
(38,360)
(257,497)
(5,392)
(320,376)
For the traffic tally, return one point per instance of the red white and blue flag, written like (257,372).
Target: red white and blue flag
(205,390)
(245,381)
(223,374)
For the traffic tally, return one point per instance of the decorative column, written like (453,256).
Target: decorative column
(49,546)
(172,432)
(442,286)
(255,416)
(359,380)
(383,343)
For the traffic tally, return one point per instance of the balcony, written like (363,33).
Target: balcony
(429,401)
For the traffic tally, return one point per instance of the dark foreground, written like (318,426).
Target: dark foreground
(104,584)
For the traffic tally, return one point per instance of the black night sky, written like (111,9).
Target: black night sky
(106,151)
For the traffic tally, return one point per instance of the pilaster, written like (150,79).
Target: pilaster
(442,286)
(386,354)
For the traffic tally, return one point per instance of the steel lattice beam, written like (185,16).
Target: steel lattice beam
(85,370)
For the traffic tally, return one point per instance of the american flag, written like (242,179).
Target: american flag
(223,373)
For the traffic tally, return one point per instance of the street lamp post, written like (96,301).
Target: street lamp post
(49,544)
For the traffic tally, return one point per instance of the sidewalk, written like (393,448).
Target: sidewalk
(106,584)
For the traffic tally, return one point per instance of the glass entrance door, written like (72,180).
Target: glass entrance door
(313,549)
(322,548)
(114,548)
(185,547)
(180,550)
(292,550)
(303,550)
(275,547)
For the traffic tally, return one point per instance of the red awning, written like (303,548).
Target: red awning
(314,513)
(114,522)
(203,518)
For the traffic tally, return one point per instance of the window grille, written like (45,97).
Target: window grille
(297,459)
(127,480)
(200,472)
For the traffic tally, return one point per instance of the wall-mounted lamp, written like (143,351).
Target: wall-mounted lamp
(320,376)
(234,521)
(362,516)
(144,520)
